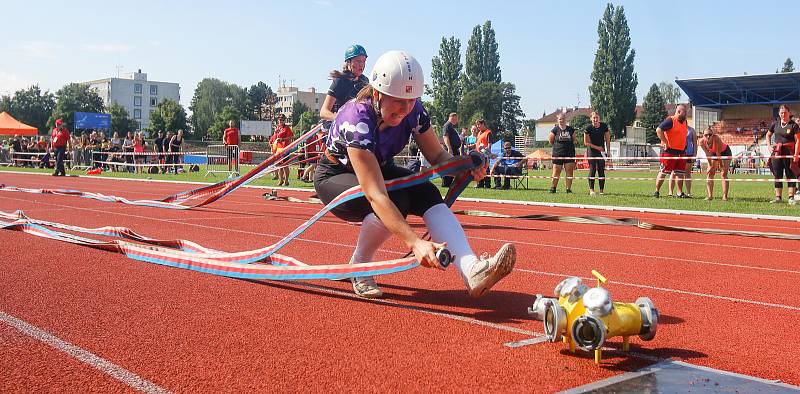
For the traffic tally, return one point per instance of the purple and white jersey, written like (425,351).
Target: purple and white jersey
(357,126)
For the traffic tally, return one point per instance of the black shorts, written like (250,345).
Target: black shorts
(330,180)
(561,162)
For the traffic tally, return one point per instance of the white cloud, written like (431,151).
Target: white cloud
(324,3)
(155,43)
(37,49)
(106,48)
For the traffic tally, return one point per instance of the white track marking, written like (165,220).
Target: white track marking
(107,367)
(669,290)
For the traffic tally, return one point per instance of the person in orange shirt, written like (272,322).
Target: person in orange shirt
(672,132)
(283,137)
(231,139)
(482,145)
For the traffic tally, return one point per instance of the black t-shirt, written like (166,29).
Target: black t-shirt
(451,133)
(16,145)
(159,143)
(783,134)
(563,144)
(597,136)
(345,88)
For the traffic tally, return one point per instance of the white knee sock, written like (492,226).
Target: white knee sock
(444,227)
(373,234)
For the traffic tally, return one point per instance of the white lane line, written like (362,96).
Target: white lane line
(107,367)
(526,342)
(451,316)
(491,239)
(669,290)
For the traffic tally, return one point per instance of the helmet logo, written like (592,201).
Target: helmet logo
(409,88)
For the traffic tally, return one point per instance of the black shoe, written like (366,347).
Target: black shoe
(552,190)
(656,195)
(497,186)
(683,195)
(506,187)
(569,191)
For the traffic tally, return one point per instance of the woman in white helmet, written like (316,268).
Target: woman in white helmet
(364,137)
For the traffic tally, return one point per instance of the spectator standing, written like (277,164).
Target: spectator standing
(283,137)
(510,164)
(597,138)
(175,149)
(719,155)
(346,83)
(452,142)
(167,154)
(158,147)
(116,142)
(471,139)
(230,139)
(786,134)
(16,150)
(673,133)
(127,149)
(5,148)
(563,138)
(59,143)
(482,145)
(690,153)
(138,152)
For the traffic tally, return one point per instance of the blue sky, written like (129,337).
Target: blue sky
(546,47)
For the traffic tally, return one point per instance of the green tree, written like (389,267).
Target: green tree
(30,106)
(654,111)
(482,58)
(210,97)
(491,55)
(307,120)
(260,100)
(298,109)
(473,66)
(579,123)
(220,123)
(613,88)
(74,97)
(446,74)
(529,127)
(121,120)
(169,115)
(670,92)
(511,113)
(788,66)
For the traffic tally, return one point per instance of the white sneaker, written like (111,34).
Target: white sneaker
(366,287)
(489,270)
(792,200)
(592,193)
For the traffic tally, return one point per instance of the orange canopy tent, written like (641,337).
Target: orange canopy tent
(9,126)
(538,155)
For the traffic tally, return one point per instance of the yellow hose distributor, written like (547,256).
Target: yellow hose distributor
(586,317)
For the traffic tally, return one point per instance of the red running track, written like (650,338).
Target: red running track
(726,302)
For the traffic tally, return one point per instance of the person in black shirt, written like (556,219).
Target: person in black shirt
(562,137)
(346,83)
(597,138)
(452,142)
(786,134)
(158,147)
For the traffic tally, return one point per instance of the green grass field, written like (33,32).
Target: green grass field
(745,197)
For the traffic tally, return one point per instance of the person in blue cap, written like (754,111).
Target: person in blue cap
(346,83)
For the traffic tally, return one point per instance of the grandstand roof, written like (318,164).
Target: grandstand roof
(747,89)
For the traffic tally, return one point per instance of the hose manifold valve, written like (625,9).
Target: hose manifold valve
(586,317)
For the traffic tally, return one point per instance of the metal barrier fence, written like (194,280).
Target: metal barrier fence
(222,159)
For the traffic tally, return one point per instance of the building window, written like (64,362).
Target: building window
(137,88)
(153,101)
(137,113)
(137,101)
(153,89)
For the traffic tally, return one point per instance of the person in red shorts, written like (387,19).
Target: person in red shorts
(231,140)
(672,132)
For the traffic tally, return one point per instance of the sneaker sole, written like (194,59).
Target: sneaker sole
(371,295)
(502,269)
